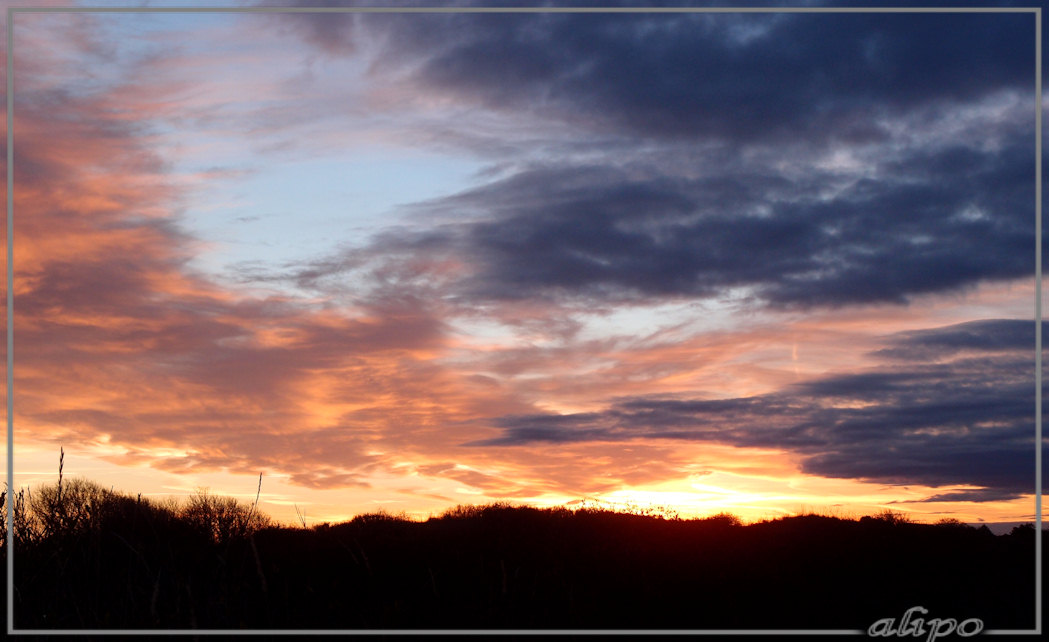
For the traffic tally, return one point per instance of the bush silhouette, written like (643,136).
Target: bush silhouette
(221,518)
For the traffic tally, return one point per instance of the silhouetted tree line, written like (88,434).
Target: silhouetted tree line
(87,557)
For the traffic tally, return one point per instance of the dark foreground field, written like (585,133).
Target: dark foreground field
(90,558)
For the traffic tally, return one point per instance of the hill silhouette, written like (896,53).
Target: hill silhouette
(87,557)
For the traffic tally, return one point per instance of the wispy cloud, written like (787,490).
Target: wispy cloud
(865,183)
(966,420)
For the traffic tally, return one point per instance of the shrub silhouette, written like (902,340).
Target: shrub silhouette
(221,518)
(723,519)
(73,506)
(21,519)
(893,517)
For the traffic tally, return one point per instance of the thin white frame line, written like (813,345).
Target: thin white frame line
(1038,321)
(375,9)
(10,88)
(439,632)
(523,9)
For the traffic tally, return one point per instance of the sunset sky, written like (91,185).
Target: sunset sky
(759,263)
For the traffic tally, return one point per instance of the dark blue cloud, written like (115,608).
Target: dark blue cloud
(599,232)
(640,232)
(716,129)
(980,495)
(711,143)
(988,335)
(734,77)
(969,421)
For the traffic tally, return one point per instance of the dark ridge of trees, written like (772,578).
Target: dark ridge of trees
(87,557)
